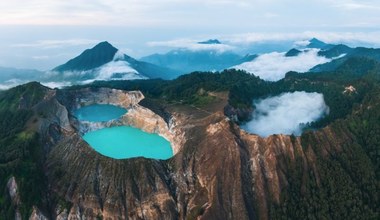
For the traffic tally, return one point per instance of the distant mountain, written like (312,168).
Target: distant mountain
(317,56)
(105,62)
(248,57)
(330,51)
(359,52)
(92,58)
(211,41)
(7,73)
(293,53)
(335,51)
(315,43)
(186,60)
(10,77)
(331,171)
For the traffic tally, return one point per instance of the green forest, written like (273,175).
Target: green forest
(349,186)
(21,154)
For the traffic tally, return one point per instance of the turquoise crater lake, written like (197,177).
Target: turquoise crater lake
(99,113)
(127,142)
(121,142)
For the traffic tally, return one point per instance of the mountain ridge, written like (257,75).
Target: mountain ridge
(100,54)
(189,61)
(103,54)
(220,171)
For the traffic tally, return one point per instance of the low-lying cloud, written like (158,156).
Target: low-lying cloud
(351,38)
(191,44)
(11,83)
(274,66)
(117,69)
(51,44)
(16,82)
(286,114)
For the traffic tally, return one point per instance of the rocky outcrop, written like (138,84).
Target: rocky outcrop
(112,186)
(238,114)
(75,99)
(14,195)
(218,172)
(37,215)
(137,115)
(148,121)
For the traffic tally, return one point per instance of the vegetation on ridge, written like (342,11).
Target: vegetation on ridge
(20,151)
(343,185)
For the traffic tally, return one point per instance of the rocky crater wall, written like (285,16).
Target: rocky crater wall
(137,115)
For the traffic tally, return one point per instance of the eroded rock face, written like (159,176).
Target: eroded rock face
(137,115)
(218,172)
(14,195)
(111,187)
(37,215)
(143,118)
(12,189)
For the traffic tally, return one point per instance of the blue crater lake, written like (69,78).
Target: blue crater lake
(127,142)
(99,113)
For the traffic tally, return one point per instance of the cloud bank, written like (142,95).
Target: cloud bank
(286,113)
(11,83)
(191,44)
(16,82)
(301,38)
(117,69)
(274,66)
(53,44)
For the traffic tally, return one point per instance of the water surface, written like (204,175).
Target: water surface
(99,113)
(127,142)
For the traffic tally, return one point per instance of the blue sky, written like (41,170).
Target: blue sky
(44,33)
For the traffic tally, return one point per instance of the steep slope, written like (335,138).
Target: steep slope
(293,53)
(315,43)
(105,62)
(359,52)
(336,51)
(99,55)
(219,171)
(152,71)
(21,153)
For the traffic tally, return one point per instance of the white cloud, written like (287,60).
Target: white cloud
(356,5)
(274,66)
(117,66)
(286,113)
(179,13)
(54,85)
(190,44)
(105,72)
(15,82)
(372,37)
(49,44)
(102,12)
(301,43)
(11,83)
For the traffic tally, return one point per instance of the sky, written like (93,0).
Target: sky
(42,34)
